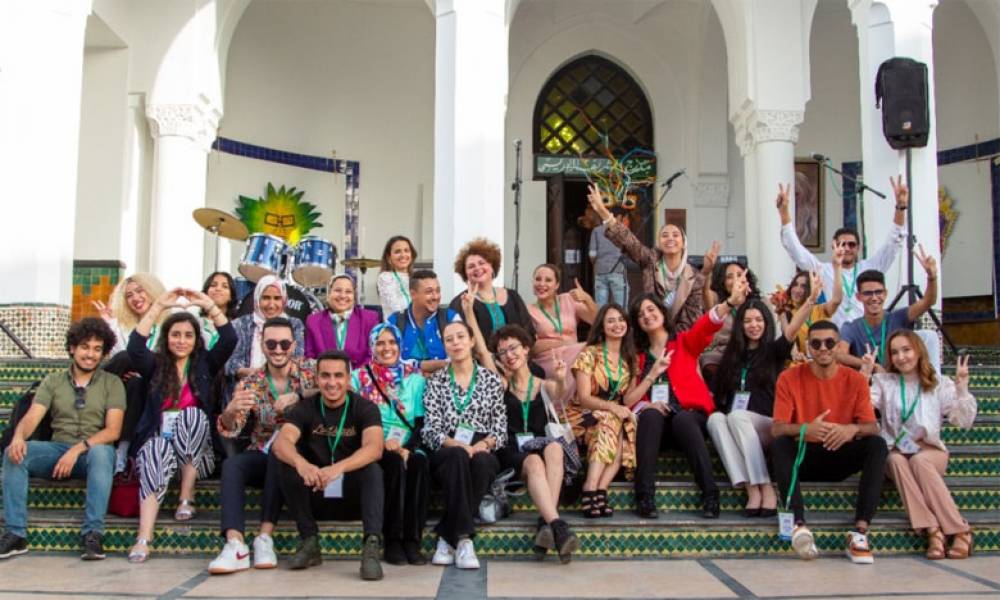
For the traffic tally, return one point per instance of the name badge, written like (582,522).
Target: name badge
(397,433)
(905,443)
(660,394)
(267,446)
(741,400)
(334,489)
(464,433)
(786,524)
(168,424)
(524,438)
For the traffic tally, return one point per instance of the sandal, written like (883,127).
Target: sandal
(602,504)
(935,544)
(185,510)
(136,556)
(961,545)
(588,504)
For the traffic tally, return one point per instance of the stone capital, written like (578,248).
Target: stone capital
(198,122)
(756,126)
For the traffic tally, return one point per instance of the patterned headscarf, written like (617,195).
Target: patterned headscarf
(388,377)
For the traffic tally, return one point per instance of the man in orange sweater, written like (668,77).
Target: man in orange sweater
(841,438)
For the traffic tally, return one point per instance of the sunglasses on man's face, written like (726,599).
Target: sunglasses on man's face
(81,397)
(817,343)
(849,244)
(273,344)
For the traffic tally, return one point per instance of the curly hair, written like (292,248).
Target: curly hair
(489,251)
(925,370)
(119,307)
(510,332)
(387,252)
(234,302)
(90,328)
(165,380)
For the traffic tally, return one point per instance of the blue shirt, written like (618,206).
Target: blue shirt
(857,334)
(424,343)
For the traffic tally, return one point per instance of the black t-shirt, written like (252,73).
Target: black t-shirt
(319,433)
(764,364)
(537,419)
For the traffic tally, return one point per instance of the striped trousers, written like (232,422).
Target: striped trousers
(159,458)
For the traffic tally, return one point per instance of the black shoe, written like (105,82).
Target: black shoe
(414,555)
(565,540)
(90,546)
(543,535)
(751,513)
(371,568)
(394,553)
(306,555)
(768,512)
(12,545)
(646,508)
(710,505)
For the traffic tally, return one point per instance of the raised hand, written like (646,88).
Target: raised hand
(170,298)
(738,295)
(868,363)
(962,372)
(710,257)
(782,201)
(900,190)
(815,285)
(103,309)
(926,261)
(597,202)
(469,300)
(200,300)
(837,253)
(661,365)
(578,293)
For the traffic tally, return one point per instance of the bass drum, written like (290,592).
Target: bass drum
(301,302)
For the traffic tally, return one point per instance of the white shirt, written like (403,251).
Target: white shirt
(932,407)
(391,295)
(850,308)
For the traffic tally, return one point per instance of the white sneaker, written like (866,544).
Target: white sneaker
(858,549)
(263,552)
(804,543)
(465,555)
(235,556)
(444,555)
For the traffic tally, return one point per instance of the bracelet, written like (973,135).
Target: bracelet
(86,444)
(900,208)
(731,305)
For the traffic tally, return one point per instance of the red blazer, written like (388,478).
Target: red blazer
(686,383)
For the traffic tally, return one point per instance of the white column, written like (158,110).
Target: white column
(767,142)
(183,134)
(41,71)
(469,107)
(886,29)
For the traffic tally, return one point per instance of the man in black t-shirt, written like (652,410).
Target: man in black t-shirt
(329,448)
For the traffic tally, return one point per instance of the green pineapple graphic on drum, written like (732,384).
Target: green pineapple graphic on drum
(280,213)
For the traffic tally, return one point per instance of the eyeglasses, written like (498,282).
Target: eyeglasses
(81,397)
(508,350)
(872,293)
(273,344)
(817,343)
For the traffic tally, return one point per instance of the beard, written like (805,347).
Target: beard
(82,369)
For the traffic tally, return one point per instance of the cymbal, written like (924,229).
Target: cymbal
(361,262)
(218,221)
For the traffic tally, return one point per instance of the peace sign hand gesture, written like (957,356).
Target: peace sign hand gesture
(901,192)
(962,373)
(868,362)
(103,309)
(710,257)
(926,261)
(597,202)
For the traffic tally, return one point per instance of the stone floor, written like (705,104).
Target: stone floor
(65,577)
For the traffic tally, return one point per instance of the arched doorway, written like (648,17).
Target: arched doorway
(589,108)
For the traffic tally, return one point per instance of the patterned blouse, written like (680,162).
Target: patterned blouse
(591,362)
(393,292)
(486,412)
(302,376)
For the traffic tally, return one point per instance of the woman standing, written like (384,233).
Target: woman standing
(665,269)
(478,263)
(220,287)
(344,325)
(555,317)
(744,398)
(604,373)
(396,387)
(269,298)
(393,281)
(671,396)
(914,401)
(175,431)
(464,424)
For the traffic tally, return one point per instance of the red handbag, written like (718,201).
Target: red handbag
(124,500)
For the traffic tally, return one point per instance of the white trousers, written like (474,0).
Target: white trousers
(740,438)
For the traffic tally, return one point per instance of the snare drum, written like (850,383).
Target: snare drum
(315,259)
(265,254)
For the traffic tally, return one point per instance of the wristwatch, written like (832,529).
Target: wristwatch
(86,444)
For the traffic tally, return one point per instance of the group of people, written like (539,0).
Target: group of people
(352,414)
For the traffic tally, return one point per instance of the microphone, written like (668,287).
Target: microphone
(517,143)
(819,157)
(670,180)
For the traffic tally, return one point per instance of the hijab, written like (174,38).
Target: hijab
(257,358)
(388,377)
(346,315)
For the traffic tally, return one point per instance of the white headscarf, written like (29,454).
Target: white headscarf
(257,358)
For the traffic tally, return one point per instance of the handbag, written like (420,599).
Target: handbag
(495,505)
(124,498)
(555,428)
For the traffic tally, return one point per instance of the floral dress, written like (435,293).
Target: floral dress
(601,430)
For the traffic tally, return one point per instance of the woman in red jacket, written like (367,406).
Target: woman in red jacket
(671,397)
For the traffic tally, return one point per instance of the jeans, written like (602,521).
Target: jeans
(97,466)
(613,284)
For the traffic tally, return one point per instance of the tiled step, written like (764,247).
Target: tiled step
(621,537)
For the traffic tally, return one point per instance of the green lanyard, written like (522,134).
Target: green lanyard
(905,413)
(613,384)
(274,390)
(463,403)
(340,330)
(849,289)
(340,428)
(402,287)
(526,403)
(799,457)
(879,347)
(743,378)
(496,313)
(557,322)
(652,359)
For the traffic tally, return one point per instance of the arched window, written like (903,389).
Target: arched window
(586,99)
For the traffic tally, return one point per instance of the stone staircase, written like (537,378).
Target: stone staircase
(974,476)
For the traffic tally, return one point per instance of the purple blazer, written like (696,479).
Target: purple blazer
(321,337)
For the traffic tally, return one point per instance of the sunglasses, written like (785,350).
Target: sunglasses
(817,343)
(872,293)
(273,344)
(81,397)
(847,244)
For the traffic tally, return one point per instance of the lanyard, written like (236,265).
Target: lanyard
(421,340)
(849,289)
(879,347)
(799,457)
(497,317)
(463,403)
(743,378)
(402,288)
(557,322)
(274,390)
(613,384)
(526,403)
(905,413)
(340,428)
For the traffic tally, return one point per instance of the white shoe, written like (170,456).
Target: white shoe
(465,555)
(263,552)
(235,556)
(444,555)
(804,543)
(858,549)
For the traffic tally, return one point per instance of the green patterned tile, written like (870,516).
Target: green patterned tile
(979,434)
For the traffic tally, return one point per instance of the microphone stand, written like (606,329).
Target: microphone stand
(859,192)
(516,186)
